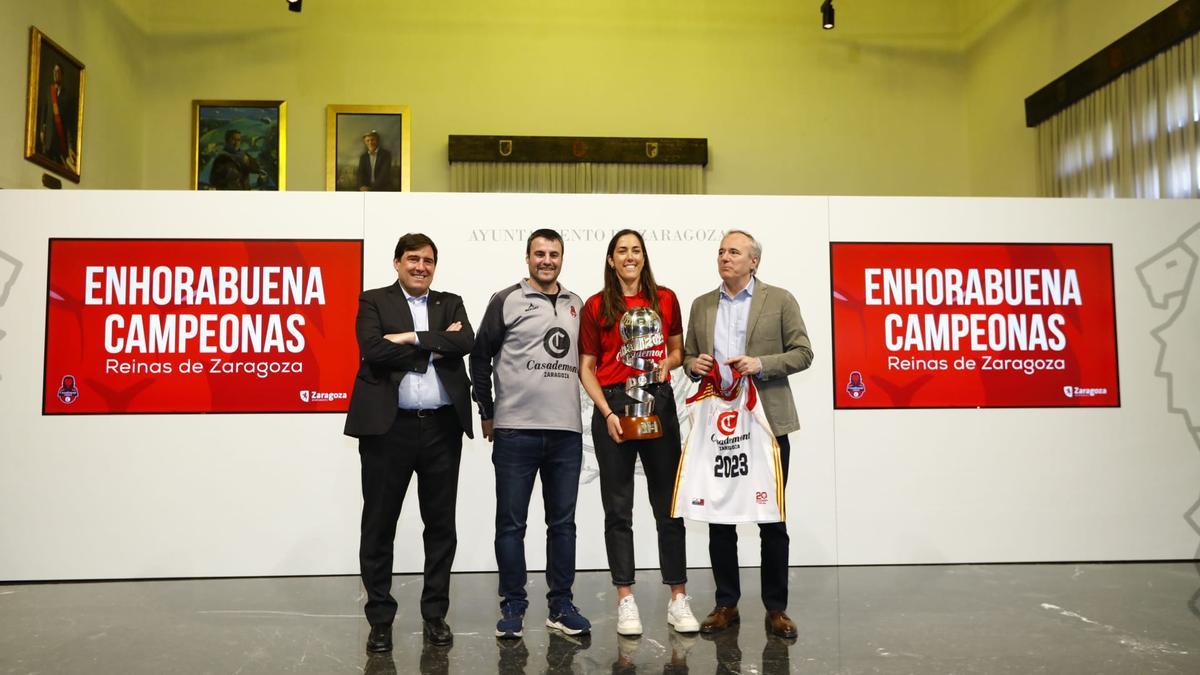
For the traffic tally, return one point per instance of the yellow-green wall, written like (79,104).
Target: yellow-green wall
(1034,44)
(786,107)
(905,97)
(112,48)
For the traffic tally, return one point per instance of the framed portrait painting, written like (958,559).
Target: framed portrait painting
(367,148)
(54,107)
(239,145)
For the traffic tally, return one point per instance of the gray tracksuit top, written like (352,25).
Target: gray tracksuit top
(530,347)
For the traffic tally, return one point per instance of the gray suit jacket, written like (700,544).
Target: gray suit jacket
(775,334)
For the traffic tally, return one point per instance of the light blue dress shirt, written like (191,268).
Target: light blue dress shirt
(421,391)
(729,334)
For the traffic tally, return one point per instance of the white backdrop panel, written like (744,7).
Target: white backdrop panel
(107,496)
(481,245)
(197,495)
(927,486)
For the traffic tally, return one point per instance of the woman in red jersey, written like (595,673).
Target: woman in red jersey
(629,284)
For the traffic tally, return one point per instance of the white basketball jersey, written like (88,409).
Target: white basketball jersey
(730,471)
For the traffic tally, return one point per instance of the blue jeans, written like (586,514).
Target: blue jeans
(519,455)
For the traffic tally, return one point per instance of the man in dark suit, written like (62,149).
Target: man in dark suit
(375,166)
(410,407)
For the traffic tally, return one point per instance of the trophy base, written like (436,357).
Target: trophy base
(641,428)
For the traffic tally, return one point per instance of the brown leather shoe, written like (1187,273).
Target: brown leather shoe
(778,623)
(719,619)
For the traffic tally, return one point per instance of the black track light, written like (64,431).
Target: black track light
(295,5)
(827,15)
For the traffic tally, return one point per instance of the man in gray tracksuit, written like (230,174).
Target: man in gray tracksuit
(527,343)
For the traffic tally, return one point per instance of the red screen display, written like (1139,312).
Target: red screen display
(200,325)
(973,325)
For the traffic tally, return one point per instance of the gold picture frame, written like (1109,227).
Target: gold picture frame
(239,145)
(349,167)
(54,107)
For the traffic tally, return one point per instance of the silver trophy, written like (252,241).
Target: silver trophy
(641,331)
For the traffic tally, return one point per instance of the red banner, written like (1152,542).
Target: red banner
(973,325)
(200,325)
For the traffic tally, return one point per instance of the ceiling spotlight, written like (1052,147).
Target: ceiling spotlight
(295,5)
(827,15)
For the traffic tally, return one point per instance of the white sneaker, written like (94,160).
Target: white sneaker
(629,622)
(679,615)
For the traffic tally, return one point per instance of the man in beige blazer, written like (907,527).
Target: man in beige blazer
(755,329)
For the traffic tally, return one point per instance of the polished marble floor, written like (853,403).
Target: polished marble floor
(1085,618)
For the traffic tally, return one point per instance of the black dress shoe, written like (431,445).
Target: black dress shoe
(438,632)
(380,639)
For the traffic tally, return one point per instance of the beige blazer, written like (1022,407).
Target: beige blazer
(776,335)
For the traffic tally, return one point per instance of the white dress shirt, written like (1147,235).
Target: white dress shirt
(421,391)
(729,334)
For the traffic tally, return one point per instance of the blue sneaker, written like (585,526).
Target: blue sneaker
(567,619)
(511,624)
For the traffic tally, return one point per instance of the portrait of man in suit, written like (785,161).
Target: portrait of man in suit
(367,148)
(409,409)
(375,166)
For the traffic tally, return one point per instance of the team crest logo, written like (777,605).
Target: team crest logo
(1069,391)
(573,314)
(68,392)
(506,147)
(556,342)
(856,387)
(579,149)
(651,150)
(727,422)
(699,501)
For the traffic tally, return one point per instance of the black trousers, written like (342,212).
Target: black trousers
(722,551)
(660,462)
(431,447)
